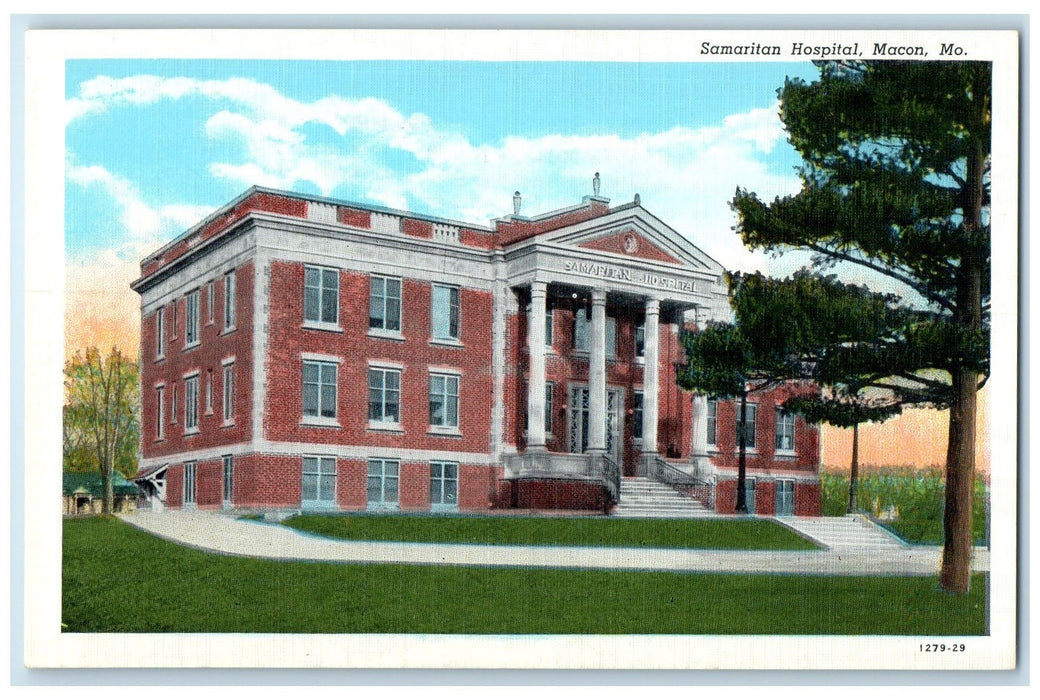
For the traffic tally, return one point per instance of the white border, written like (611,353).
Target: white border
(46,646)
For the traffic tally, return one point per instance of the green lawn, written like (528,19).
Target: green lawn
(715,533)
(118,579)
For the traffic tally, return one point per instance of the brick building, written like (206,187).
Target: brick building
(305,353)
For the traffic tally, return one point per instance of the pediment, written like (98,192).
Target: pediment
(631,243)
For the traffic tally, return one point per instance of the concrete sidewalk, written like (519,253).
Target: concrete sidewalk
(224,533)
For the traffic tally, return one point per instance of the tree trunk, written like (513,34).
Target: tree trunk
(854,469)
(742,463)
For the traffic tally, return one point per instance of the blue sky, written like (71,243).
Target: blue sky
(154,145)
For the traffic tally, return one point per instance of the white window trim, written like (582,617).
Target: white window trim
(383,505)
(387,426)
(387,335)
(447,429)
(443,507)
(210,302)
(230,301)
(193,503)
(228,398)
(209,392)
(784,452)
(332,504)
(446,340)
(318,357)
(160,333)
(320,420)
(198,319)
(160,409)
(391,334)
(228,360)
(192,430)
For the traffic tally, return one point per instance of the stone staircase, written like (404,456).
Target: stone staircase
(645,498)
(847,532)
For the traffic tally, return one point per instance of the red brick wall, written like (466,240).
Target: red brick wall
(416,228)
(513,231)
(558,495)
(415,353)
(808,499)
(267,481)
(206,357)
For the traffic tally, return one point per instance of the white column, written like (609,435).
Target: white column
(699,448)
(651,372)
(598,373)
(536,376)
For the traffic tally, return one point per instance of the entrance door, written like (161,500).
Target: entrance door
(784,496)
(578,423)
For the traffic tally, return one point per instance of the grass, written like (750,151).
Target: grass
(908,501)
(708,533)
(118,579)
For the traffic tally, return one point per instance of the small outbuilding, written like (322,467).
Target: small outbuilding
(81,494)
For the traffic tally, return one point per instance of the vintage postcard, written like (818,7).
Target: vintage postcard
(521,349)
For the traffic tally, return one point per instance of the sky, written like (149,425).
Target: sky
(153,146)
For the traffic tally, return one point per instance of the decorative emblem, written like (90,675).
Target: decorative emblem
(630,243)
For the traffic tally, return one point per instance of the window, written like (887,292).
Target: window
(209,303)
(191,403)
(229,392)
(445,312)
(384,306)
(444,486)
(548,327)
(189,483)
(318,484)
(160,333)
(382,483)
(321,295)
(637,415)
(173,334)
(230,310)
(319,389)
(209,391)
(750,484)
(784,496)
(748,423)
(229,479)
(784,431)
(713,421)
(159,411)
(173,405)
(191,319)
(583,333)
(548,407)
(640,339)
(444,400)
(384,395)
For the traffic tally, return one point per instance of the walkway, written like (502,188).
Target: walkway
(223,533)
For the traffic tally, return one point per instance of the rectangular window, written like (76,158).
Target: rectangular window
(173,333)
(784,496)
(548,407)
(382,483)
(444,485)
(640,339)
(749,494)
(384,306)
(444,400)
(748,422)
(784,431)
(160,333)
(229,392)
(173,404)
(210,300)
(318,486)
(189,483)
(191,319)
(548,327)
(230,310)
(321,295)
(229,479)
(209,392)
(445,312)
(583,334)
(713,421)
(319,389)
(191,403)
(384,395)
(159,411)
(637,415)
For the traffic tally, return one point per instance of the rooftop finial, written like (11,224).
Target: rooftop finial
(636,198)
(595,185)
(516,203)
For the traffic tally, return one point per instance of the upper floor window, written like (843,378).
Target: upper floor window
(384,395)
(748,422)
(173,332)
(210,301)
(321,295)
(191,319)
(784,431)
(548,327)
(640,339)
(444,400)
(713,421)
(637,415)
(229,392)
(160,333)
(583,334)
(384,306)
(445,312)
(319,389)
(230,306)
(191,403)
(160,410)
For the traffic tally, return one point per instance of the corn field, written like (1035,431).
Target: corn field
(906,500)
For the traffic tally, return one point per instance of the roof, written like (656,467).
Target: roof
(90,482)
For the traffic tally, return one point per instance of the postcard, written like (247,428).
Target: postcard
(529,349)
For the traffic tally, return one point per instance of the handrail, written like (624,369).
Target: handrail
(612,477)
(684,482)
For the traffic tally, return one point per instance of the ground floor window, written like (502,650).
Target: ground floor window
(318,487)
(749,494)
(784,496)
(229,478)
(189,483)
(444,486)
(383,476)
